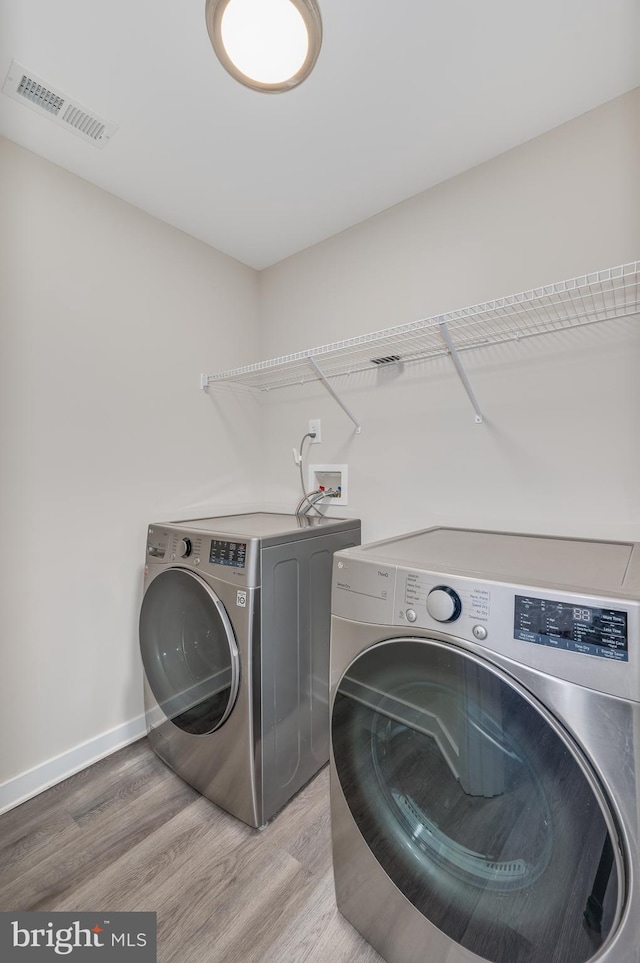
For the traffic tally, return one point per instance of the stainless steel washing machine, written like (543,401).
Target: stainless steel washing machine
(234,637)
(485,747)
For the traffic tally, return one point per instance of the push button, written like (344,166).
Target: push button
(411,615)
(480,632)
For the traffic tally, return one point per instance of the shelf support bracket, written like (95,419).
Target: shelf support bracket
(455,357)
(333,394)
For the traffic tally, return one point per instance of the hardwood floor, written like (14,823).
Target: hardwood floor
(128,834)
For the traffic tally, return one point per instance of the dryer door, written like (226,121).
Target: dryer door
(477,804)
(188,651)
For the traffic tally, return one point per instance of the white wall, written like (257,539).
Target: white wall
(558,451)
(108,319)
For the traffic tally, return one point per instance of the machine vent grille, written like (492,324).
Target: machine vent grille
(32,91)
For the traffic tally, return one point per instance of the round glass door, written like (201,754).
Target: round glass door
(188,651)
(476,804)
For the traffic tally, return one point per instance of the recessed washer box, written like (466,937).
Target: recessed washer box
(330,476)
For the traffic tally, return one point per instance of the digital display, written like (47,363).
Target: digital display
(228,553)
(575,628)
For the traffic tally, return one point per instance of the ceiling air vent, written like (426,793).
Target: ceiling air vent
(36,93)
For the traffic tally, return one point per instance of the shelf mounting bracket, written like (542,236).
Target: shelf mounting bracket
(333,394)
(455,357)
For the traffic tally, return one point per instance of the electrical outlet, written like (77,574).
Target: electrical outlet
(330,476)
(314,425)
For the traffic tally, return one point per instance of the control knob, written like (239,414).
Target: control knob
(443,604)
(184,547)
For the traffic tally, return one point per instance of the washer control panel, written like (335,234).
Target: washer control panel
(229,559)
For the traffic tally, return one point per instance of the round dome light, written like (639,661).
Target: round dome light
(268,45)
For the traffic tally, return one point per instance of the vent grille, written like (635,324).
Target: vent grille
(39,95)
(32,91)
(387,359)
(84,123)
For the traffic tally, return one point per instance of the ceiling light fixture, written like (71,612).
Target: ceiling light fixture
(268,45)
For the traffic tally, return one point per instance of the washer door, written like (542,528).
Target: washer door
(477,804)
(188,651)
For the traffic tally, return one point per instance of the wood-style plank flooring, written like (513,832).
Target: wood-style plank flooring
(128,834)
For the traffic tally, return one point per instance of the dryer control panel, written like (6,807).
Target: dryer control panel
(568,608)
(573,626)
(426,600)
(588,634)
(569,623)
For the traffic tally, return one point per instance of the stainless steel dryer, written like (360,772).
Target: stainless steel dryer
(234,637)
(485,747)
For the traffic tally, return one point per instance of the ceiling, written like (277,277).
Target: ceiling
(404,96)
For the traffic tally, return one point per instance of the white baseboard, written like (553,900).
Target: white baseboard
(49,773)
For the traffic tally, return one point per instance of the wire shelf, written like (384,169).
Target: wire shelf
(589,299)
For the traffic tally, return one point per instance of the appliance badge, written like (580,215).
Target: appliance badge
(241,599)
